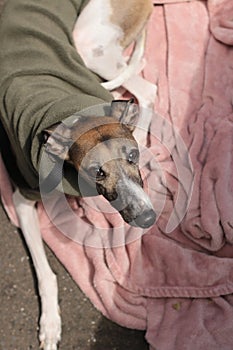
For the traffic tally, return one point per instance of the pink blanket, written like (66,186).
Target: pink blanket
(176,279)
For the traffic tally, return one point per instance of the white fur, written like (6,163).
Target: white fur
(50,321)
(139,194)
(97,40)
(145,93)
(134,67)
(133,194)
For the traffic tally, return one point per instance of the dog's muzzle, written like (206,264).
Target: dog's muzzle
(131,202)
(144,220)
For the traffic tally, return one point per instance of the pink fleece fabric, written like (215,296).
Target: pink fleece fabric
(175,280)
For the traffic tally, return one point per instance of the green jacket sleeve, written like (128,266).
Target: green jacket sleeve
(42,78)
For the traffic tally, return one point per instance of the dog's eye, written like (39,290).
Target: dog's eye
(97,173)
(133,156)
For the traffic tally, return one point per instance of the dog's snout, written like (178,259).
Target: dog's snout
(146,219)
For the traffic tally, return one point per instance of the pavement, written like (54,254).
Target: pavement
(84,328)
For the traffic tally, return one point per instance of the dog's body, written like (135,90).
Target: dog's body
(102,41)
(101,44)
(103,149)
(106,154)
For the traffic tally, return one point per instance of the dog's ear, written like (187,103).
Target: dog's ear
(58,140)
(126,111)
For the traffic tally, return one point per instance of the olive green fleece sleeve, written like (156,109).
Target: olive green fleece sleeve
(42,78)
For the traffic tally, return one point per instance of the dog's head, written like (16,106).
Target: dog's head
(105,153)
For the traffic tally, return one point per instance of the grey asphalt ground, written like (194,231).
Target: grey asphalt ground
(84,328)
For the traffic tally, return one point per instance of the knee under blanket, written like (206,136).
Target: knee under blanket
(177,284)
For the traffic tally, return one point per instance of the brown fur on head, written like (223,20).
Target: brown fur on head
(105,153)
(86,131)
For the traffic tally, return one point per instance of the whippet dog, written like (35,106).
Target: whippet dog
(112,168)
(114,171)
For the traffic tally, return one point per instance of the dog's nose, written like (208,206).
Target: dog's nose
(146,219)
